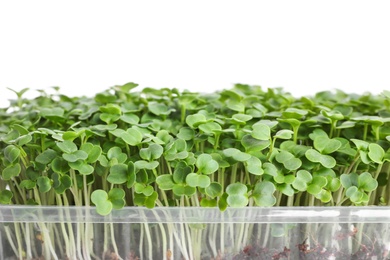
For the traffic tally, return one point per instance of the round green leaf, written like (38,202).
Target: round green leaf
(284,134)
(165,182)
(214,190)
(196,180)
(5,197)
(206,164)
(44,184)
(146,165)
(11,153)
(261,131)
(376,153)
(46,156)
(236,154)
(195,120)
(27,184)
(263,194)
(118,174)
(186,133)
(100,199)
(210,127)
(254,166)
(75,156)
(82,167)
(67,146)
(366,182)
(236,188)
(182,189)
(325,145)
(11,171)
(59,165)
(237,201)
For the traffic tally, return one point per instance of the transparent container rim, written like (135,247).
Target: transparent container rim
(73,214)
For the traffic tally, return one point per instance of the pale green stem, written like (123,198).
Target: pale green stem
(17,250)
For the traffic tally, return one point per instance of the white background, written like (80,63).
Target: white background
(302,46)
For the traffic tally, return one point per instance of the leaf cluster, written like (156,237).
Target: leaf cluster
(239,147)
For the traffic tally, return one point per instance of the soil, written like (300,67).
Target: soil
(318,252)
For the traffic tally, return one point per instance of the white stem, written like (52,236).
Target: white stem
(28,241)
(141,242)
(188,232)
(147,233)
(11,242)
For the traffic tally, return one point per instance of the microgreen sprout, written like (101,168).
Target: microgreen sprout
(232,148)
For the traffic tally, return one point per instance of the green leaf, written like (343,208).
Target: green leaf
(165,182)
(118,174)
(111,109)
(222,202)
(100,199)
(24,139)
(159,108)
(116,197)
(241,118)
(354,194)
(75,156)
(146,165)
(153,152)
(326,160)
(235,105)
(289,161)
(46,156)
(210,127)
(214,190)
(376,153)
(196,180)
(325,145)
(132,136)
(11,171)
(324,195)
(44,184)
(237,201)
(284,134)
(82,167)
(180,173)
(5,197)
(206,164)
(27,184)
(236,154)
(67,146)
(59,165)
(270,169)
(129,118)
(349,180)
(360,144)
(186,133)
(182,189)
(366,182)
(11,153)
(236,189)
(254,166)
(93,151)
(263,194)
(195,120)
(208,203)
(253,145)
(261,131)
(313,189)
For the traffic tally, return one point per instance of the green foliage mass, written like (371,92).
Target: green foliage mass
(162,147)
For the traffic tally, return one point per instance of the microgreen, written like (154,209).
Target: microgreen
(237,147)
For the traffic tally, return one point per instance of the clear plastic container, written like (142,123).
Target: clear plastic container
(195,233)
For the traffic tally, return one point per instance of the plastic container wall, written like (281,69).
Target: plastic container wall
(195,233)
